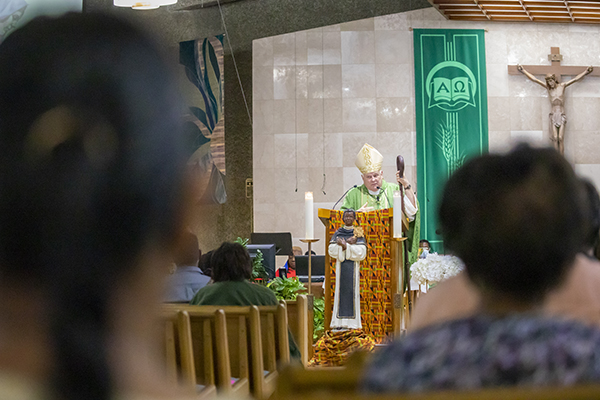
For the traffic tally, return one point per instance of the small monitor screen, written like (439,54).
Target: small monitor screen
(268,252)
(282,241)
(317,266)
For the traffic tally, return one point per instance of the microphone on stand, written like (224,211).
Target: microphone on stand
(344,195)
(386,197)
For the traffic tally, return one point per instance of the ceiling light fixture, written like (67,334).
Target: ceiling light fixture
(143,4)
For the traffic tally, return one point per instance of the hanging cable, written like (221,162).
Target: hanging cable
(323,111)
(237,72)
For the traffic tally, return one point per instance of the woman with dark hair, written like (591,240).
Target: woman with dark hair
(231,271)
(92,203)
(517,221)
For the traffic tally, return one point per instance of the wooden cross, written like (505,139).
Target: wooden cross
(555,67)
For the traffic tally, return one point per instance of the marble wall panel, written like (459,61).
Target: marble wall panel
(262,52)
(301,81)
(521,86)
(284,149)
(332,48)
(262,151)
(360,25)
(290,217)
(499,141)
(302,151)
(351,177)
(314,43)
(301,47)
(332,28)
(397,143)
(264,217)
(288,180)
(395,80)
(316,115)
(314,151)
(332,109)
(320,94)
(315,81)
(583,113)
(262,120)
(526,113)
(264,185)
(358,80)
(495,47)
(497,80)
(332,81)
(583,49)
(532,47)
(358,47)
(359,115)
(331,183)
(352,142)
(284,82)
(262,83)
(554,28)
(586,145)
(284,116)
(498,113)
(334,150)
(590,87)
(390,47)
(570,145)
(395,114)
(302,119)
(284,49)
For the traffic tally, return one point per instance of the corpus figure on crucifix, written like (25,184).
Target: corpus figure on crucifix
(556,92)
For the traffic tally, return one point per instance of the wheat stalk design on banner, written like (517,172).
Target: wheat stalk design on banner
(447,141)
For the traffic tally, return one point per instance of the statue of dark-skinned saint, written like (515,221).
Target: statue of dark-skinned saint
(349,248)
(556,93)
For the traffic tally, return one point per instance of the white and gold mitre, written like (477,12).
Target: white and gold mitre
(368,159)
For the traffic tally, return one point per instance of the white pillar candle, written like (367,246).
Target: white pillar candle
(308,216)
(397,214)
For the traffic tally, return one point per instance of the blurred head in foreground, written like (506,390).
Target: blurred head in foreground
(516,220)
(93,194)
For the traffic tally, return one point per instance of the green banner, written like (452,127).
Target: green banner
(451,113)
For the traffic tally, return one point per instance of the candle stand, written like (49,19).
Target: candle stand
(310,242)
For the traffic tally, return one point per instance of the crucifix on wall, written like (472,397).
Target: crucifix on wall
(556,89)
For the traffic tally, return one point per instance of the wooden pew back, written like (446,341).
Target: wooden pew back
(300,314)
(179,358)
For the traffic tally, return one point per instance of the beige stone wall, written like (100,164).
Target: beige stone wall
(319,95)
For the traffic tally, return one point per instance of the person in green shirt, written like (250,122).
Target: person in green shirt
(231,271)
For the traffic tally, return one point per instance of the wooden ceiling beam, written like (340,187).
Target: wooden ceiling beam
(564,11)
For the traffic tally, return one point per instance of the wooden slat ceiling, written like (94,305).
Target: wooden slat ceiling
(560,11)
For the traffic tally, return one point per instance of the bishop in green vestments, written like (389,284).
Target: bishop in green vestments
(377,194)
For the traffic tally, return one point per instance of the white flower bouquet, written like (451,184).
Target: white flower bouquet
(436,268)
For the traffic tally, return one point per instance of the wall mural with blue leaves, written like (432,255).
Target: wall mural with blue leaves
(204,124)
